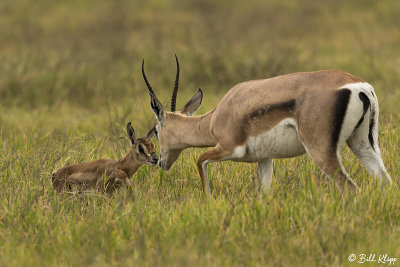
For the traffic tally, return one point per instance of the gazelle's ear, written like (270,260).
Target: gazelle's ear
(131,133)
(193,103)
(157,109)
(152,132)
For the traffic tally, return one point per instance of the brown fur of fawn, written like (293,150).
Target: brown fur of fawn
(107,175)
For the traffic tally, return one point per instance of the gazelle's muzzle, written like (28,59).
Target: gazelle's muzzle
(163,165)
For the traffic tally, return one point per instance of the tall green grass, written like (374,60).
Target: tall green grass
(70,81)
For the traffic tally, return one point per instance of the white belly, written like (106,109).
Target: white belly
(281,141)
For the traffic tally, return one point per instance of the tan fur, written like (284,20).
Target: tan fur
(313,88)
(106,175)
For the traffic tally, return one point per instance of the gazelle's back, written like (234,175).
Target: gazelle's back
(87,173)
(97,166)
(272,100)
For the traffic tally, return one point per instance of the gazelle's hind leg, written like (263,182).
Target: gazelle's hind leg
(265,174)
(370,157)
(330,163)
(326,155)
(324,136)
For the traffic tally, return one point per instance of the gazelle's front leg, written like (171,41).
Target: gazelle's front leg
(265,174)
(213,155)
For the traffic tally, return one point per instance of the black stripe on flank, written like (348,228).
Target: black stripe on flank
(287,106)
(366,104)
(339,111)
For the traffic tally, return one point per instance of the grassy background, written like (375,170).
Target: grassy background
(70,81)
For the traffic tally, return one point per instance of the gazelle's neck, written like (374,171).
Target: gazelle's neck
(191,131)
(129,163)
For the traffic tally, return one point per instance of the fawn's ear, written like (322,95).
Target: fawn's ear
(152,132)
(131,133)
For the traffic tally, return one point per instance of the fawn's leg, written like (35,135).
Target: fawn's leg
(117,179)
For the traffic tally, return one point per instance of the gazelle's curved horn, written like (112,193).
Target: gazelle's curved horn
(147,82)
(175,92)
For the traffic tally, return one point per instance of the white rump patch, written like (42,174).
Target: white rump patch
(360,87)
(354,111)
(357,85)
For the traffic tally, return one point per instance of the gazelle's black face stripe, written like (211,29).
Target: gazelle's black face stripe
(287,106)
(339,111)
(142,150)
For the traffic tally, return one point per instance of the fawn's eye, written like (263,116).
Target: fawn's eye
(141,149)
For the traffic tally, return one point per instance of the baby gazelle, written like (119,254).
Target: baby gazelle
(106,175)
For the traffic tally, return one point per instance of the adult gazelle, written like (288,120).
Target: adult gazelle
(281,117)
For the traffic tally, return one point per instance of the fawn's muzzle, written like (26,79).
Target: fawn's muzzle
(154,158)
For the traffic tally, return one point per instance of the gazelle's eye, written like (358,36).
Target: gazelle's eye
(141,149)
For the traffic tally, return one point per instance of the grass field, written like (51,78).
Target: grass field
(70,81)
